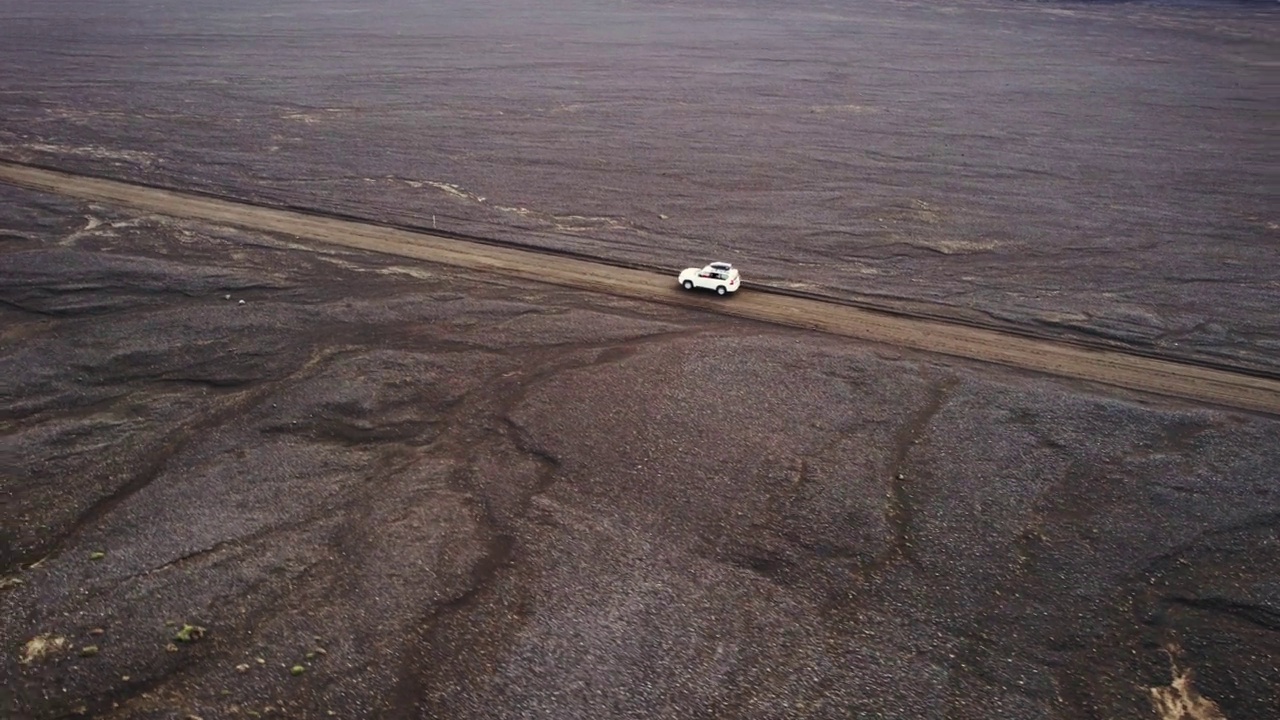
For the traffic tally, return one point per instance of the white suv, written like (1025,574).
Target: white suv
(718,276)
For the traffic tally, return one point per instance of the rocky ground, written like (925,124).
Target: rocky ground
(250,479)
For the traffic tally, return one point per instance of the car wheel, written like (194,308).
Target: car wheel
(688,284)
(720,290)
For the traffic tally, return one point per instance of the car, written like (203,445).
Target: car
(719,276)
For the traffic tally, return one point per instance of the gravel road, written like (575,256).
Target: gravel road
(1236,390)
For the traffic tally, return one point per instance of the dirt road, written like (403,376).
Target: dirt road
(1103,366)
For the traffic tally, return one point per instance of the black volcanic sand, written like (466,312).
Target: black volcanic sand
(443,496)
(1089,168)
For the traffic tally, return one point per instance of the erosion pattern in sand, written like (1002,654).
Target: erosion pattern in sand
(1098,168)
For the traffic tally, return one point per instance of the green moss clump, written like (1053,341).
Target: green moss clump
(189,633)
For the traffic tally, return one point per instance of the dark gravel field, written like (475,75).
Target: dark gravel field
(1096,168)
(243,477)
(251,480)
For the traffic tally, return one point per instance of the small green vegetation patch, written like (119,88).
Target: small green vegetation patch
(189,633)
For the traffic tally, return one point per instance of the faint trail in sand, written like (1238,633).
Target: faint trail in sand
(1111,367)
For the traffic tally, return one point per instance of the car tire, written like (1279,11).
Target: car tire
(720,290)
(688,284)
